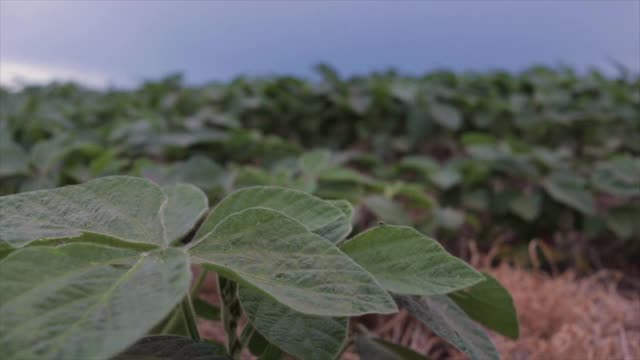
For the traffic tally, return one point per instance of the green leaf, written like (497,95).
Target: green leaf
(526,206)
(406,262)
(315,162)
(415,194)
(198,170)
(570,190)
(346,175)
(319,216)
(448,320)
(446,115)
(173,348)
(85,301)
(347,209)
(344,206)
(257,344)
(125,209)
(379,349)
(482,146)
(623,221)
(303,336)
(205,309)
(271,353)
(186,139)
(490,304)
(445,178)
(619,176)
(449,218)
(120,207)
(418,125)
(387,210)
(420,164)
(275,253)
(185,205)
(5,249)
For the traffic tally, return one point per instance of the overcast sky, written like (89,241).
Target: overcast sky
(123,42)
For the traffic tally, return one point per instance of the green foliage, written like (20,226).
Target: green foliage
(92,270)
(173,348)
(490,304)
(537,154)
(411,263)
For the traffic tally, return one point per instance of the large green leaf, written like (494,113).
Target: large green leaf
(571,191)
(319,216)
(173,348)
(185,205)
(379,349)
(303,336)
(85,301)
(490,304)
(406,262)
(280,256)
(127,209)
(448,320)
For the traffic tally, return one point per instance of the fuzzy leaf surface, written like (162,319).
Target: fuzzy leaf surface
(110,209)
(268,250)
(303,336)
(121,207)
(319,216)
(85,301)
(186,204)
(449,321)
(406,262)
(173,348)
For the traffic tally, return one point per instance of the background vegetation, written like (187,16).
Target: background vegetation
(496,159)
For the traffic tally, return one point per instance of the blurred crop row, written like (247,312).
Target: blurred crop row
(494,158)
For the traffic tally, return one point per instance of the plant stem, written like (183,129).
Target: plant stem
(201,278)
(230,313)
(190,318)
(245,335)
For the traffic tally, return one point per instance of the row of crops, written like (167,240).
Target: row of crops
(495,158)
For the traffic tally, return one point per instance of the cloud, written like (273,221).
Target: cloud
(15,74)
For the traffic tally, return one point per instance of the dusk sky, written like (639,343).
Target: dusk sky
(121,43)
